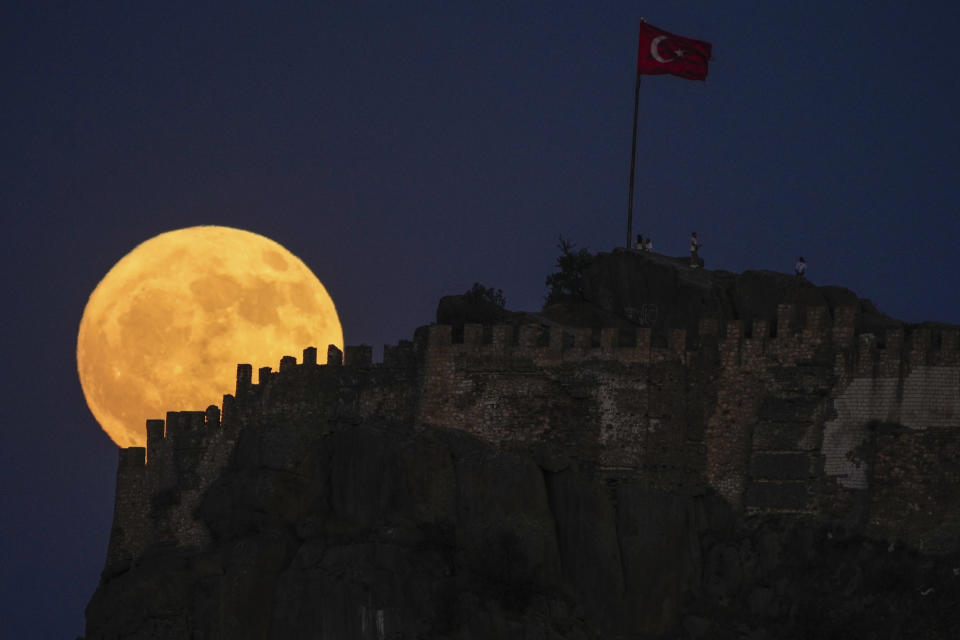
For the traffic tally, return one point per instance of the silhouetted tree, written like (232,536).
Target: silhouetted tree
(568,280)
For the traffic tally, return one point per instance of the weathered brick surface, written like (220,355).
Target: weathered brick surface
(915,492)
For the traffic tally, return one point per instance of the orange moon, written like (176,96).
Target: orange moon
(166,327)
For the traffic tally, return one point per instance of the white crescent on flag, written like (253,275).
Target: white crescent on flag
(653,49)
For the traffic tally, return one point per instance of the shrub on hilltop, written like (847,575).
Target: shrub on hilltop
(568,279)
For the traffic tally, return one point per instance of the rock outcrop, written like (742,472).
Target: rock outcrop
(756,458)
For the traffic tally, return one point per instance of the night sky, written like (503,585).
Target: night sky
(407,150)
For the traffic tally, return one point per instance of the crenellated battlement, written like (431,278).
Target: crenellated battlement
(791,334)
(794,334)
(888,353)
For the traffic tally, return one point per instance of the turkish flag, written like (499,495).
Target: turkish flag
(664,52)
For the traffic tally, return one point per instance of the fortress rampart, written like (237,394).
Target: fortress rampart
(793,414)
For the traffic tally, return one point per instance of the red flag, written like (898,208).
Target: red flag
(664,52)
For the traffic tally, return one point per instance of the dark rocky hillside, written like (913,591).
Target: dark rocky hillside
(362,517)
(377,531)
(630,288)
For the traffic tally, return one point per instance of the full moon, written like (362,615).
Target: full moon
(166,327)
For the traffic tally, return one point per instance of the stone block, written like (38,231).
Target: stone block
(776,495)
(780,436)
(334,356)
(780,466)
(790,409)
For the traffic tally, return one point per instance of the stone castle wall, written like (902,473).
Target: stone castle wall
(796,414)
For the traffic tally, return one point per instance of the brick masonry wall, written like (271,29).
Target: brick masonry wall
(781,418)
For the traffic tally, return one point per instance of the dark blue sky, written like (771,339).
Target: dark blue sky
(407,150)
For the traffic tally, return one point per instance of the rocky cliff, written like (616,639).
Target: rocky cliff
(673,453)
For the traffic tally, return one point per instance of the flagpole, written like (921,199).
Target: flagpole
(692,67)
(633,161)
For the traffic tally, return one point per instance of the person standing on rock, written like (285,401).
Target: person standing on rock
(695,245)
(638,245)
(800,268)
(648,244)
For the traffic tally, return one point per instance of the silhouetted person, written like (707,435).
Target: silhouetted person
(638,245)
(695,245)
(648,244)
(800,268)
